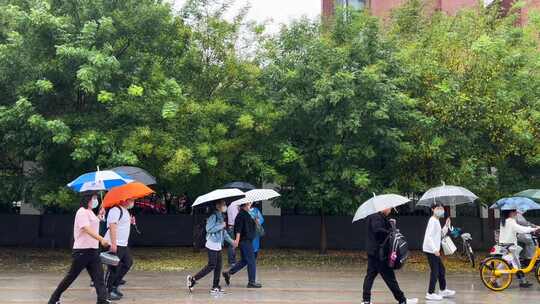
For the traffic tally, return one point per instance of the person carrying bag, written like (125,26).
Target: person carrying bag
(432,249)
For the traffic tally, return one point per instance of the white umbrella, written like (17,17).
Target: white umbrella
(228,195)
(377,204)
(256,195)
(447,195)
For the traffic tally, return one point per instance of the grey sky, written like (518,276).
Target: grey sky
(276,11)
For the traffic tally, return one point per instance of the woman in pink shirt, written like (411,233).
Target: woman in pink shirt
(85,251)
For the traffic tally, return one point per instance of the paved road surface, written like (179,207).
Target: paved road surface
(291,286)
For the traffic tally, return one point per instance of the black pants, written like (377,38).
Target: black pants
(438,272)
(214,264)
(375,267)
(115,274)
(83,259)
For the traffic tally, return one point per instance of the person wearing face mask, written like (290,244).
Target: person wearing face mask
(245,232)
(216,235)
(432,249)
(85,251)
(119,225)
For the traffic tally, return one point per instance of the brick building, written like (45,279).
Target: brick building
(382,8)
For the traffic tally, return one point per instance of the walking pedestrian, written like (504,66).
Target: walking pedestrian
(244,229)
(119,225)
(216,235)
(378,230)
(232,212)
(85,251)
(432,249)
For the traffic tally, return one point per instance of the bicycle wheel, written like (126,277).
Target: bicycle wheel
(470,253)
(490,279)
(538,272)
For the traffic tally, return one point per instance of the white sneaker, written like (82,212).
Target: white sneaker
(447,293)
(433,297)
(411,301)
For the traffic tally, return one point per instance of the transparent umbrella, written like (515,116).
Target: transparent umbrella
(378,203)
(447,195)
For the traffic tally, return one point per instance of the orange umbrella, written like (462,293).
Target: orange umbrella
(119,194)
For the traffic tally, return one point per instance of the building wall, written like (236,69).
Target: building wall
(327,8)
(454,6)
(529,6)
(383,8)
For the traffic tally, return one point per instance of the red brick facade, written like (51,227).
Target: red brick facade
(383,8)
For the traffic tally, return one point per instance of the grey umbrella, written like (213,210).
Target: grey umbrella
(137,174)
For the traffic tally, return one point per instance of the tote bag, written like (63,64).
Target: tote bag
(448,246)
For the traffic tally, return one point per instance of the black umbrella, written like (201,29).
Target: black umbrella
(244,186)
(137,174)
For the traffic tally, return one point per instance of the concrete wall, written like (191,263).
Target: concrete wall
(289,231)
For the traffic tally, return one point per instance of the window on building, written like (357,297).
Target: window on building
(354,4)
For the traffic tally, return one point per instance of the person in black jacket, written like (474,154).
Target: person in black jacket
(378,229)
(244,230)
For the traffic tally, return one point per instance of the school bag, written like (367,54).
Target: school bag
(399,248)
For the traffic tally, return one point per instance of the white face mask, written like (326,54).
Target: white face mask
(439,213)
(223,209)
(95,202)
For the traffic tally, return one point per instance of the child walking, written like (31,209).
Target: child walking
(216,234)
(432,249)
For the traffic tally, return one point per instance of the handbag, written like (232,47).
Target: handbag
(259,229)
(448,246)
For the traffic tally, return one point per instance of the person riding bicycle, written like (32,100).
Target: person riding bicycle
(529,246)
(509,230)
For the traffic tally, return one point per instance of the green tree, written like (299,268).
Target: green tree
(342,114)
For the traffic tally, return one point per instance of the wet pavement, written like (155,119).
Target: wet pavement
(280,286)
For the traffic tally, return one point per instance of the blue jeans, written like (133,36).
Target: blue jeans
(248,259)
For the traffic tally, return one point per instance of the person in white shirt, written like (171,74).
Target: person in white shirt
(432,249)
(119,223)
(525,239)
(232,212)
(509,230)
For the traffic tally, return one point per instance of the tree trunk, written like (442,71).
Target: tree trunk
(323,241)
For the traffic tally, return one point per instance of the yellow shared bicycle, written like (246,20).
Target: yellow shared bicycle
(496,273)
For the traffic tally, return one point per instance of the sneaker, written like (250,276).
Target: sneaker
(433,297)
(113,296)
(190,283)
(227,277)
(367,302)
(411,301)
(525,284)
(447,293)
(217,290)
(115,289)
(104,302)
(254,285)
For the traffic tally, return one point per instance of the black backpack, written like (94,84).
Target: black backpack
(399,249)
